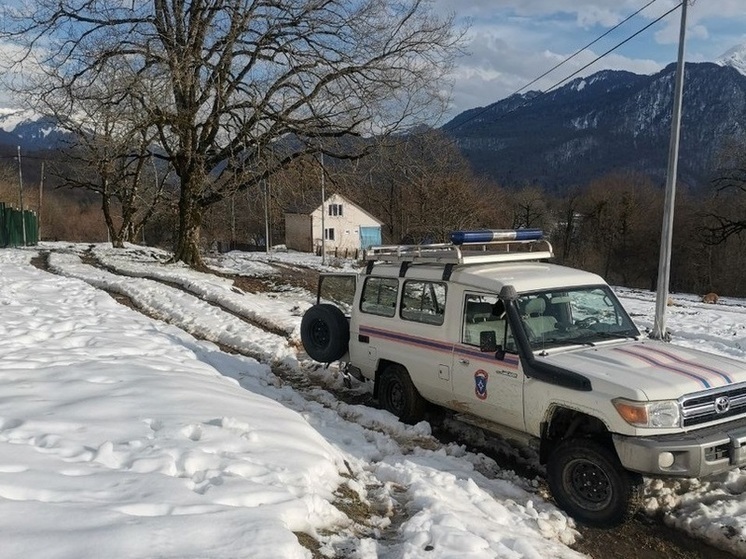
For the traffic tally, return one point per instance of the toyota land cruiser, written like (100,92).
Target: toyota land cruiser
(536,352)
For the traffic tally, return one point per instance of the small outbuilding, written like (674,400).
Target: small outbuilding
(346,227)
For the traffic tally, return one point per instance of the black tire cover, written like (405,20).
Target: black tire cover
(325,333)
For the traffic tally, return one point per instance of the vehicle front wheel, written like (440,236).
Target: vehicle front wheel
(397,394)
(589,483)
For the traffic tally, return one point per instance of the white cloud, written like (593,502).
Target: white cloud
(511,42)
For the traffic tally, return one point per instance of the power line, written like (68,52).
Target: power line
(557,84)
(648,26)
(577,52)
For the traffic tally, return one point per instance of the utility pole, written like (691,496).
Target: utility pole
(20,196)
(266,216)
(233,219)
(664,265)
(323,225)
(41,195)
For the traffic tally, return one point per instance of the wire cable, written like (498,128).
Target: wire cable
(612,49)
(557,84)
(577,52)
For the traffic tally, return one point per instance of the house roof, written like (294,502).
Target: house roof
(311,207)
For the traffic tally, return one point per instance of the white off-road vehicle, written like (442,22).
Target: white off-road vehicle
(535,352)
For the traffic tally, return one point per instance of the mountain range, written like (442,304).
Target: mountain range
(608,122)
(30,131)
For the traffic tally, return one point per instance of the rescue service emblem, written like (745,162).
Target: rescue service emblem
(480,384)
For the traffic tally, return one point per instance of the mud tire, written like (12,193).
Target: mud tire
(588,481)
(398,394)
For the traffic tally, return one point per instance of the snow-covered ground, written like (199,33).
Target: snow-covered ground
(125,436)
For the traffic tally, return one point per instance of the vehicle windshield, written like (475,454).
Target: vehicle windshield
(581,315)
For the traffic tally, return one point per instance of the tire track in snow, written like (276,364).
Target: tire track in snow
(165,306)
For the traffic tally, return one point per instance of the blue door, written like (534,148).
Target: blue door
(370,236)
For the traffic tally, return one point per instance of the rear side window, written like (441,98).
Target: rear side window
(379,296)
(423,301)
(337,289)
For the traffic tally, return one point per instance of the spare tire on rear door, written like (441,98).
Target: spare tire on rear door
(325,333)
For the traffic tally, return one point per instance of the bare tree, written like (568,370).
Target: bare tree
(620,215)
(421,187)
(234,77)
(112,154)
(568,223)
(724,213)
(530,208)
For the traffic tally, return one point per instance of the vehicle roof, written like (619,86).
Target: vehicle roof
(523,276)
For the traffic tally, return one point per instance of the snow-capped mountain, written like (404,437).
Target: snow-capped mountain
(735,57)
(610,121)
(30,130)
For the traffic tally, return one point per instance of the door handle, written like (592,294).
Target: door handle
(463,361)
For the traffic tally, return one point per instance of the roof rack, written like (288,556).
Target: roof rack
(452,253)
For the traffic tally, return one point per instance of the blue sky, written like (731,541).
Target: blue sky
(511,42)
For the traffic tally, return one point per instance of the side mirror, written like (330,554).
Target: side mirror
(487,341)
(488,344)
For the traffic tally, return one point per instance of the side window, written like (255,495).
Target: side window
(479,316)
(379,296)
(423,301)
(338,290)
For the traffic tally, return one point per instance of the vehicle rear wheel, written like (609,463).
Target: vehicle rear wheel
(397,394)
(589,483)
(325,333)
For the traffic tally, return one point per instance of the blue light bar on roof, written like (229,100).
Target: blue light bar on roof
(490,235)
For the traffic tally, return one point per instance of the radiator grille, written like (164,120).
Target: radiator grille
(714,405)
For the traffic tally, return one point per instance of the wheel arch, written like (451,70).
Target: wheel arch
(563,422)
(380,367)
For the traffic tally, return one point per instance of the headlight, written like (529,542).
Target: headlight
(662,413)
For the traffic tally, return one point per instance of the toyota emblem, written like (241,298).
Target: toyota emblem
(722,404)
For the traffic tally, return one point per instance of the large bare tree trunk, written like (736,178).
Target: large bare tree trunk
(186,248)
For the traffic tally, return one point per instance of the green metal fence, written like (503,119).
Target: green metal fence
(12,223)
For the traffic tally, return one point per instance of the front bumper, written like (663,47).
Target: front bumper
(701,453)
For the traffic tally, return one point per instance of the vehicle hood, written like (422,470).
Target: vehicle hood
(659,370)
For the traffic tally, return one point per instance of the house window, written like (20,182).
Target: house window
(329,234)
(335,210)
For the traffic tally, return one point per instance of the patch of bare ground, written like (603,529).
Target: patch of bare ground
(644,538)
(298,277)
(41,261)
(365,518)
(249,284)
(311,544)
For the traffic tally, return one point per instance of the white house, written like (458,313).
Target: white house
(346,226)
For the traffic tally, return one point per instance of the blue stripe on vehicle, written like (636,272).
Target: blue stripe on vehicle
(725,376)
(510,361)
(409,340)
(657,362)
(443,347)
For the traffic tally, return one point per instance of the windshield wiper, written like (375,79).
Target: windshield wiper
(613,335)
(550,343)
